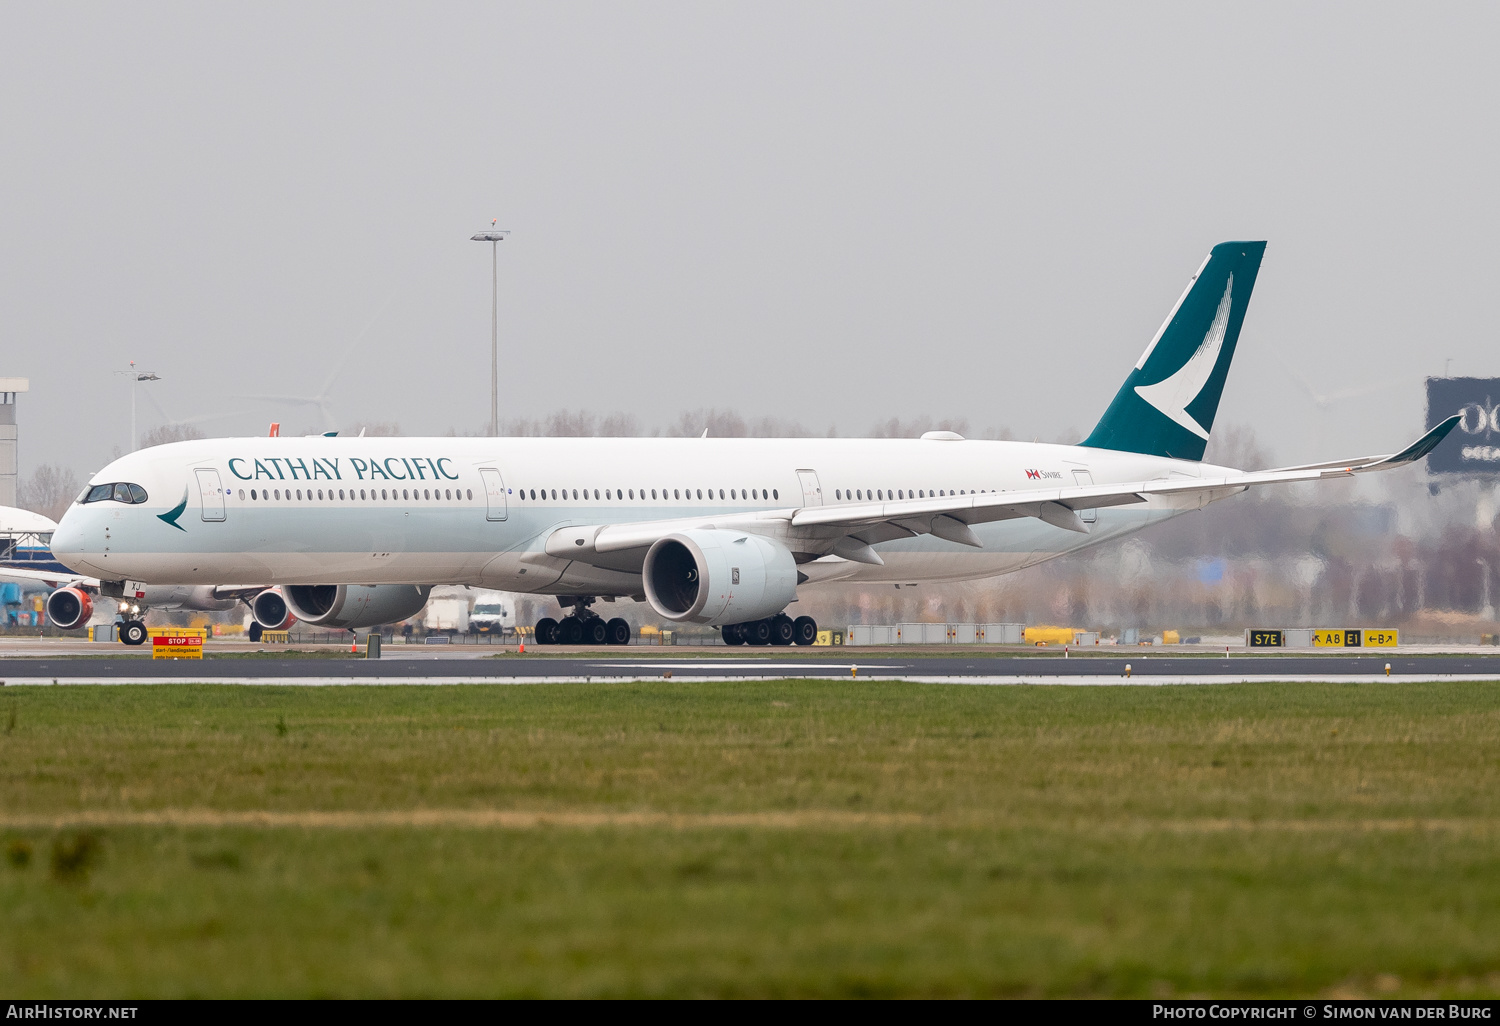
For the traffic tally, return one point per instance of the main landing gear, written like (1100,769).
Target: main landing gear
(774,630)
(582,626)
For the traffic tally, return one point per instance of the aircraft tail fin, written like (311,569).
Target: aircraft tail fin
(1167,405)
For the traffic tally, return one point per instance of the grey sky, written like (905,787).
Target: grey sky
(828,212)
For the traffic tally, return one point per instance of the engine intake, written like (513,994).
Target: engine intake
(69,608)
(718,577)
(349,606)
(270,610)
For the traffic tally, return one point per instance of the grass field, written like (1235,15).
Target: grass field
(789,838)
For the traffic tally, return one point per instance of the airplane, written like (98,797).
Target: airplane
(719,532)
(25,558)
(24,540)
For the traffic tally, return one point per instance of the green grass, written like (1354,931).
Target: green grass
(829,839)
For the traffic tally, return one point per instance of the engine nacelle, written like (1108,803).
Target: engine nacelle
(270,610)
(69,608)
(348,606)
(718,577)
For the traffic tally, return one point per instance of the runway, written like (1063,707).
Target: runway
(518,669)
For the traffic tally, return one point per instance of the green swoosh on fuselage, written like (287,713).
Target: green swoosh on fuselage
(170,517)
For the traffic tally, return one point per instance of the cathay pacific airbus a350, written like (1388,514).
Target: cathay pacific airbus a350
(355,531)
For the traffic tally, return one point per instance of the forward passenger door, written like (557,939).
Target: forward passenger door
(211,492)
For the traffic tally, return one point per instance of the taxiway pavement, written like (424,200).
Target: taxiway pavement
(973,669)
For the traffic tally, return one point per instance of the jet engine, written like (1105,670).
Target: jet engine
(718,577)
(68,608)
(270,610)
(349,606)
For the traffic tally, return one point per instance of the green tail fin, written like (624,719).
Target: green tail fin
(1166,406)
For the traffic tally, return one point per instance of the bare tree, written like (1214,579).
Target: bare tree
(49,491)
(376,429)
(729,424)
(917,426)
(1235,445)
(169,433)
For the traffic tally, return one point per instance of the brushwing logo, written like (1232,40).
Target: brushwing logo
(171,515)
(1174,394)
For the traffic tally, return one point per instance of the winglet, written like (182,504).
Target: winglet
(1421,447)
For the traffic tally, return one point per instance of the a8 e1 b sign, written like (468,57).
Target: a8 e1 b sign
(1474,449)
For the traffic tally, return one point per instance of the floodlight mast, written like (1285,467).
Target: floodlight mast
(494,237)
(136,377)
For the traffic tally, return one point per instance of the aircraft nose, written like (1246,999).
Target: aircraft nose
(67,540)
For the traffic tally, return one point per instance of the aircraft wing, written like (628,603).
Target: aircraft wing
(56,580)
(50,578)
(849,529)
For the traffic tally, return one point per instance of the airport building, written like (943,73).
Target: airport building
(9,389)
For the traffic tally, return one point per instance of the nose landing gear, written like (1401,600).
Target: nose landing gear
(133,632)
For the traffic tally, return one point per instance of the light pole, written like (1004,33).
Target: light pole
(135,377)
(494,236)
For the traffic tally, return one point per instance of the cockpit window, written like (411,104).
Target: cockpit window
(119,492)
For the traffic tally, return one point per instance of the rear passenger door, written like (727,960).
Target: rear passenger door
(1083,479)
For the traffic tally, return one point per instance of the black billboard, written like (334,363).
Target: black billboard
(1474,448)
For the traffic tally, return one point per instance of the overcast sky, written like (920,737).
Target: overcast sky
(833,213)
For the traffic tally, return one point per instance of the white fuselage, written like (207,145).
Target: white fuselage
(478,511)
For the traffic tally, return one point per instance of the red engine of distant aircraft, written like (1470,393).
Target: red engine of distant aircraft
(69,608)
(271,611)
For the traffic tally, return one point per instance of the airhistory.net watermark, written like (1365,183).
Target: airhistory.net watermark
(50,1010)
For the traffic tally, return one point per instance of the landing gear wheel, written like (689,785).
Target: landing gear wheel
(804,630)
(255,631)
(595,632)
(730,632)
(756,632)
(781,629)
(546,631)
(617,632)
(133,632)
(569,631)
